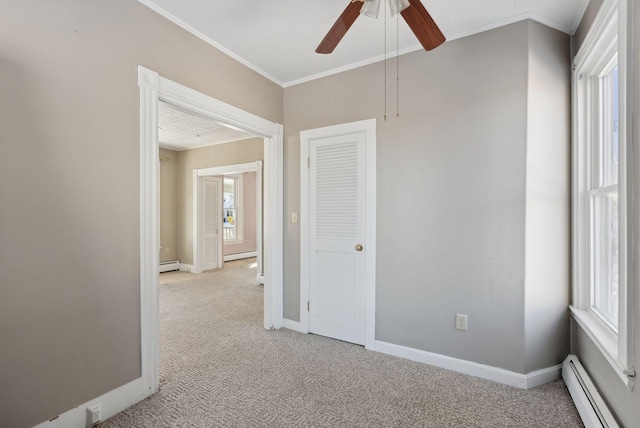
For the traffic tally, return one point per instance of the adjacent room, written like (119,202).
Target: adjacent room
(210,191)
(446,232)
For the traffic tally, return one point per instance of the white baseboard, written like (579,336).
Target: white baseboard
(185,267)
(239,256)
(292,325)
(112,403)
(591,407)
(522,381)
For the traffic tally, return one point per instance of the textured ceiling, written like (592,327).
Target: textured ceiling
(277,38)
(179,130)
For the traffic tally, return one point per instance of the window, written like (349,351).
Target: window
(231,209)
(600,286)
(604,201)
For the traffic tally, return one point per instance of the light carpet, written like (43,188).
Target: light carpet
(220,368)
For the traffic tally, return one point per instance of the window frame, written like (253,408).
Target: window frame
(238,218)
(606,39)
(599,187)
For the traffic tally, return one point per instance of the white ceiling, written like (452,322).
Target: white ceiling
(278,38)
(180,130)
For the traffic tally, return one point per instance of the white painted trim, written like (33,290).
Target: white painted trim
(292,325)
(240,256)
(153,87)
(371,193)
(149,84)
(260,208)
(186,268)
(605,340)
(239,207)
(369,127)
(585,395)
(112,403)
(273,230)
(603,24)
(195,211)
(608,37)
(305,230)
(495,374)
(628,188)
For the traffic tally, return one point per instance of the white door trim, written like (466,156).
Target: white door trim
(226,170)
(154,87)
(198,223)
(369,127)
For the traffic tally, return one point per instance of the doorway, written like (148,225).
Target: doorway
(229,170)
(153,89)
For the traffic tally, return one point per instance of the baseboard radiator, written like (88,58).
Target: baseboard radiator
(169,266)
(239,256)
(592,408)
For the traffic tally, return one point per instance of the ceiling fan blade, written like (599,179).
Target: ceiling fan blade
(340,28)
(423,26)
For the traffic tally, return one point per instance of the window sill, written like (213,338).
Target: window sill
(233,241)
(605,340)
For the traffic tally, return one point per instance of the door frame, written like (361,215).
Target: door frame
(154,88)
(369,128)
(198,174)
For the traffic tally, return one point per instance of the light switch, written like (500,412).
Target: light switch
(294,217)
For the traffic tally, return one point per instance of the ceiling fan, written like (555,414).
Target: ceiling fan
(413,12)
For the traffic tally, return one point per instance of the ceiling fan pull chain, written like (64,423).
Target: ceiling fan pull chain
(384,18)
(397,60)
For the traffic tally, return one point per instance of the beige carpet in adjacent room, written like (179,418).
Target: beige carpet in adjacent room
(220,368)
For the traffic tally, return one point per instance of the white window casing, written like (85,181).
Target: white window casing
(237,236)
(605,45)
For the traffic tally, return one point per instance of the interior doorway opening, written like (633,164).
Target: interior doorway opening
(215,216)
(231,216)
(153,90)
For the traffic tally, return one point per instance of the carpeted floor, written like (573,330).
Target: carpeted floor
(220,368)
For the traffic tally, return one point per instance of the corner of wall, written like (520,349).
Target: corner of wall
(546,288)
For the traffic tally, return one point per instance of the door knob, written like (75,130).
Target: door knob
(359,247)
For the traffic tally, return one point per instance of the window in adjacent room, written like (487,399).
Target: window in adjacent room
(603,198)
(232,209)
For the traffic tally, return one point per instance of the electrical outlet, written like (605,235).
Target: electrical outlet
(461,322)
(166,250)
(94,414)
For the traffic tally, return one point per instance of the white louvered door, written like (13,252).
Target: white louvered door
(337,262)
(211,224)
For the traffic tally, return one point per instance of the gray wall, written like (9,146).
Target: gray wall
(451,191)
(69,189)
(547,260)
(625,404)
(168,205)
